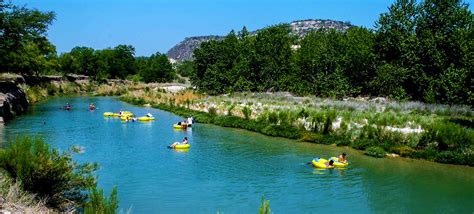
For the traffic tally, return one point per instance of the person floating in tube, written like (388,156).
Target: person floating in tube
(185,141)
(342,158)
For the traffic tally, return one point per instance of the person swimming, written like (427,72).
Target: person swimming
(91,107)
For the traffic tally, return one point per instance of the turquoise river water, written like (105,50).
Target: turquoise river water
(228,170)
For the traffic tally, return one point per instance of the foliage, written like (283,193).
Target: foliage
(14,197)
(418,50)
(24,47)
(247,112)
(264,207)
(156,68)
(375,151)
(52,176)
(99,203)
(185,68)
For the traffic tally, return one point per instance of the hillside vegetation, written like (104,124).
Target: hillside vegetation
(418,51)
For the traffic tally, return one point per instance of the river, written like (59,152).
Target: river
(228,170)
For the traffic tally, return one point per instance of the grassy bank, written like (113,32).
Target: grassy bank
(434,132)
(36,178)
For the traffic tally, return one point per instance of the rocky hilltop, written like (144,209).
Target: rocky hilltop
(184,50)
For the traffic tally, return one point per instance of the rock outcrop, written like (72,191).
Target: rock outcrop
(184,50)
(13,101)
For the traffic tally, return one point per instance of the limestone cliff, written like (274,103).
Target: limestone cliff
(13,100)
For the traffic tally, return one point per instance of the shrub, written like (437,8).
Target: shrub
(281,131)
(99,203)
(212,111)
(273,117)
(229,110)
(43,171)
(311,137)
(375,151)
(362,144)
(404,151)
(264,207)
(447,137)
(247,112)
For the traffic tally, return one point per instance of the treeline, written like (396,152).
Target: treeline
(118,63)
(24,49)
(418,51)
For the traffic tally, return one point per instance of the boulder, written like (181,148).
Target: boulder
(13,101)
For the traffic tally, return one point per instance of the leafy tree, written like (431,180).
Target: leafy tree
(122,62)
(359,58)
(273,57)
(320,60)
(444,29)
(23,45)
(157,68)
(185,68)
(397,44)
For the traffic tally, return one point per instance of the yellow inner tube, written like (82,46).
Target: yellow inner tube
(146,118)
(108,114)
(337,163)
(321,163)
(125,118)
(182,146)
(176,126)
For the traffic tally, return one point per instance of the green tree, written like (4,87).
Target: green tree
(24,47)
(122,62)
(273,56)
(444,29)
(320,61)
(396,44)
(359,58)
(185,68)
(157,68)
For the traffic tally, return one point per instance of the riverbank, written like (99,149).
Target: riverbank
(379,127)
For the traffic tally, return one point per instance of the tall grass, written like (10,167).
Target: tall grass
(17,200)
(264,207)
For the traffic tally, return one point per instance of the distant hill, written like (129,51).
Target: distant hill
(184,50)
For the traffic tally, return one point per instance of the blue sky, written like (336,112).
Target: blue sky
(157,25)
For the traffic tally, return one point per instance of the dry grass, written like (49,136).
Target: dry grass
(17,200)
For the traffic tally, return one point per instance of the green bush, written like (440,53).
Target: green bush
(264,207)
(362,144)
(273,117)
(52,176)
(281,131)
(99,203)
(404,151)
(447,137)
(247,112)
(311,137)
(375,151)
(212,111)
